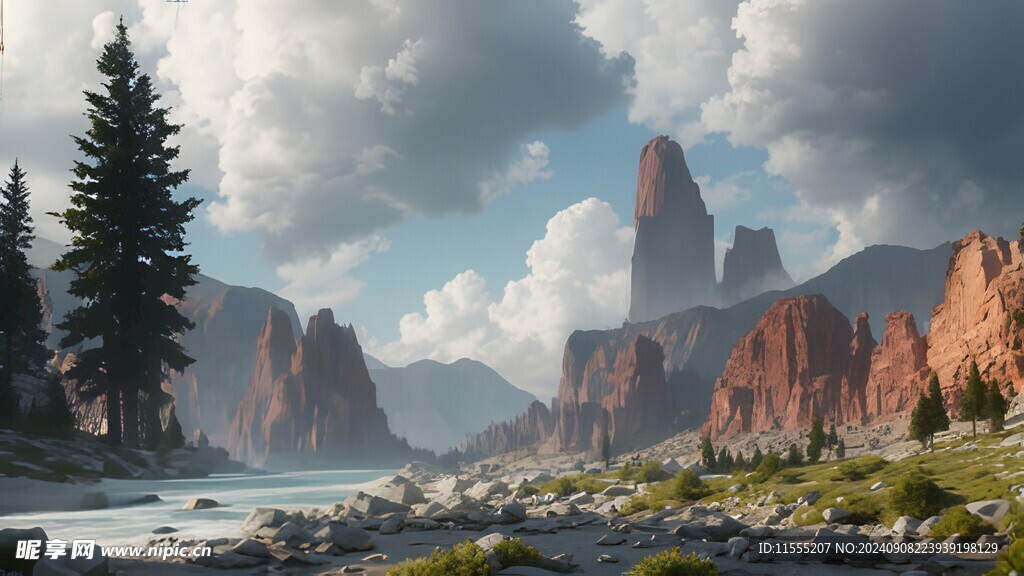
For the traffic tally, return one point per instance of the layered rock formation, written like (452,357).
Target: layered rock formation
(698,342)
(435,405)
(311,405)
(802,359)
(790,367)
(674,251)
(984,286)
(522,432)
(899,369)
(619,394)
(229,321)
(752,266)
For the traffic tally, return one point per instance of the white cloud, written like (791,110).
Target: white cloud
(682,51)
(326,281)
(728,192)
(890,134)
(578,279)
(532,165)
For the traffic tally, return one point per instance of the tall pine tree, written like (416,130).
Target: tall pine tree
(973,401)
(21,312)
(127,248)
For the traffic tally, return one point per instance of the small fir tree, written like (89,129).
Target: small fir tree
(707,454)
(815,439)
(972,402)
(995,406)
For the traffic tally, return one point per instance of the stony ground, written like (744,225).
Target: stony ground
(421,508)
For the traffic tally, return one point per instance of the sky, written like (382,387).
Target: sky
(457,178)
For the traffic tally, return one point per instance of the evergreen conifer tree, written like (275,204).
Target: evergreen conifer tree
(21,335)
(127,248)
(972,403)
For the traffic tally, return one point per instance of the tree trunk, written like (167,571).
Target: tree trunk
(153,427)
(131,417)
(974,428)
(113,415)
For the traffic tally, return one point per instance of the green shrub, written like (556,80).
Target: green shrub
(959,521)
(529,490)
(647,472)
(770,464)
(916,495)
(568,485)
(514,553)
(865,508)
(688,486)
(466,559)
(672,563)
(636,505)
(859,469)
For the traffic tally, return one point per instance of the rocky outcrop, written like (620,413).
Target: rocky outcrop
(229,321)
(984,286)
(674,252)
(853,395)
(752,266)
(311,405)
(698,342)
(899,368)
(623,395)
(524,431)
(802,359)
(790,367)
(435,405)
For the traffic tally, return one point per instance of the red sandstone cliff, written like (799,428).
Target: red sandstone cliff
(899,368)
(984,286)
(789,367)
(311,405)
(623,394)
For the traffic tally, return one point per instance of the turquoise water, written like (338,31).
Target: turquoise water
(237,494)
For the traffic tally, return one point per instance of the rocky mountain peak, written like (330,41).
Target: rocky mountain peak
(752,266)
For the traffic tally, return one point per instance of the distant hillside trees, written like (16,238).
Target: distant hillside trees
(127,250)
(929,416)
(21,336)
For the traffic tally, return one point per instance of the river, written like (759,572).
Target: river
(237,495)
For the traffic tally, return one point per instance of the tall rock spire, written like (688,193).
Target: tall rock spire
(674,253)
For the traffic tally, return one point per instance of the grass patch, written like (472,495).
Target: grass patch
(859,469)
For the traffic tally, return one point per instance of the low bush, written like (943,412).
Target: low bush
(859,469)
(568,485)
(647,472)
(466,559)
(688,486)
(770,464)
(916,495)
(673,563)
(514,553)
(635,505)
(959,521)
(529,490)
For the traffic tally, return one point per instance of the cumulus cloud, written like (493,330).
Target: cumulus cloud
(578,279)
(335,120)
(682,51)
(326,281)
(903,132)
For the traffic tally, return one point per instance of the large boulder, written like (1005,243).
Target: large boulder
(716,526)
(345,537)
(262,517)
(401,490)
(991,511)
(368,505)
(200,504)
